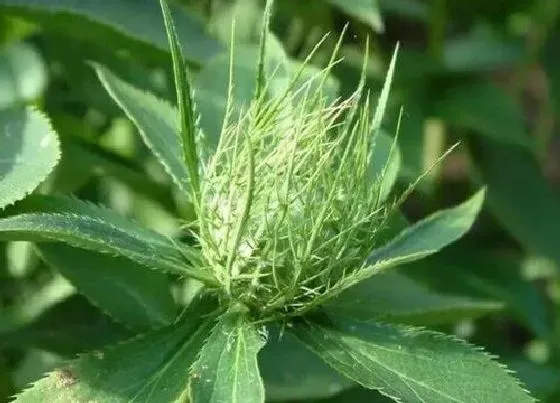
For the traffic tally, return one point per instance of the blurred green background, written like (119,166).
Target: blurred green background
(480,72)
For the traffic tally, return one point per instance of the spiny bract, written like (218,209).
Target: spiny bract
(289,205)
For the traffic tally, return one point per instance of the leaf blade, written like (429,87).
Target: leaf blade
(67,328)
(111,20)
(537,231)
(151,367)
(409,364)
(396,298)
(185,103)
(23,74)
(487,110)
(29,152)
(429,235)
(155,119)
(140,299)
(291,372)
(233,339)
(90,227)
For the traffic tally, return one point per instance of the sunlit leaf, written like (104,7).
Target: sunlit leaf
(111,22)
(150,368)
(227,368)
(430,234)
(23,75)
(410,365)
(156,120)
(29,150)
(87,226)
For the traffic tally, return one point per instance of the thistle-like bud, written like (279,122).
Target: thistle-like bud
(289,206)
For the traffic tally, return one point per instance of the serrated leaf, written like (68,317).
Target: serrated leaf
(111,22)
(542,380)
(155,119)
(23,75)
(227,368)
(429,235)
(415,242)
(134,296)
(94,228)
(29,150)
(70,327)
(409,364)
(150,368)
(363,10)
(70,205)
(396,298)
(292,372)
(187,128)
(487,110)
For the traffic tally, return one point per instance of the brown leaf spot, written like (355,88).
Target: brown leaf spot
(64,378)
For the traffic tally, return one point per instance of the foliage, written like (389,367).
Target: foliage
(193,213)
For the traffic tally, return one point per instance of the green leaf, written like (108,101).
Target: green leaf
(430,235)
(155,119)
(480,50)
(185,103)
(70,327)
(292,372)
(485,109)
(396,298)
(35,300)
(364,10)
(111,22)
(94,228)
(227,368)
(23,75)
(150,368)
(29,150)
(134,296)
(541,380)
(477,273)
(409,364)
(520,198)
(80,160)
